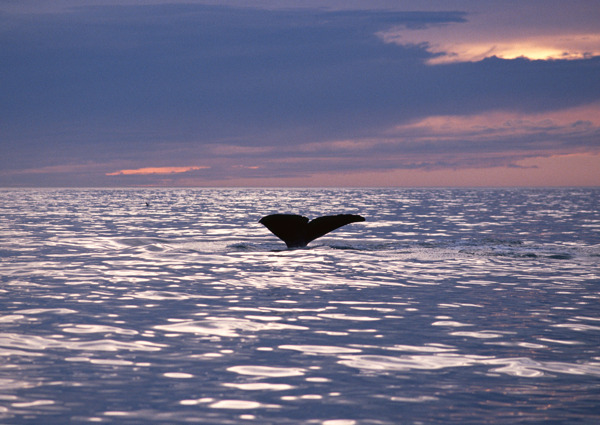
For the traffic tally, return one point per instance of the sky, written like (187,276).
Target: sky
(307,93)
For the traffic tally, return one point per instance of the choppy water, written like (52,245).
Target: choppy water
(444,307)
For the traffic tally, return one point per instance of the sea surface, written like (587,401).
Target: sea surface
(445,306)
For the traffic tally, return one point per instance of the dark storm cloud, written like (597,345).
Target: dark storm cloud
(194,63)
(103,76)
(161,83)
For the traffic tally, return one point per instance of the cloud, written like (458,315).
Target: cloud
(536,30)
(489,139)
(156,170)
(51,169)
(288,92)
(197,72)
(447,47)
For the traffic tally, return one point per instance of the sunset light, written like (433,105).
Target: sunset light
(155,170)
(451,48)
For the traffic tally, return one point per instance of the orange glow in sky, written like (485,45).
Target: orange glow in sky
(462,48)
(155,170)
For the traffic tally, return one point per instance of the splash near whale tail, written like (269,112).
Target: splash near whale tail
(297,231)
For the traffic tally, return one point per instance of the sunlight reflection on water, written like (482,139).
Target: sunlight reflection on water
(445,306)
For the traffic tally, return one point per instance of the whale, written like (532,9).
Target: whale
(298,231)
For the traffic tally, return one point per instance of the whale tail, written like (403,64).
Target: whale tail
(297,231)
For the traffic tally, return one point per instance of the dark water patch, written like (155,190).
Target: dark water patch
(560,256)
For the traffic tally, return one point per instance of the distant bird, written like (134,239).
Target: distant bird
(297,231)
(147,204)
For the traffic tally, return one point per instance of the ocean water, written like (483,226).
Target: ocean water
(444,307)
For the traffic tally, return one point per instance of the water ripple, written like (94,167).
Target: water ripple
(225,326)
(38,343)
(267,371)
(462,306)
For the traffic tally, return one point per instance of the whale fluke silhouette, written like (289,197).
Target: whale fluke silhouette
(297,231)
